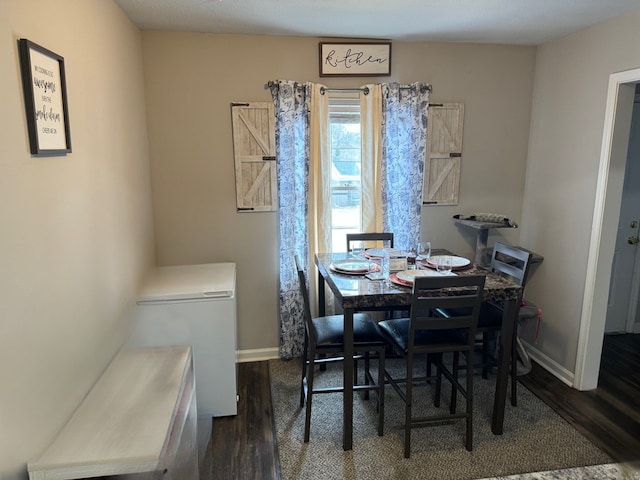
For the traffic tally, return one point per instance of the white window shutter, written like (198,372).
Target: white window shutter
(442,171)
(254,150)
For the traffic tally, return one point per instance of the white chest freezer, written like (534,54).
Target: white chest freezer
(194,305)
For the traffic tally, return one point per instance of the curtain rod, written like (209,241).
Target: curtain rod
(364,90)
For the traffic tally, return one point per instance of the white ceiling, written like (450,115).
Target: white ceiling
(518,22)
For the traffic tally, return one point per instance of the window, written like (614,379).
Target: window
(345,148)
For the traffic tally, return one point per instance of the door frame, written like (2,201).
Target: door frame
(606,214)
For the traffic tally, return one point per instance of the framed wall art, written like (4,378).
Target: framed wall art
(45,99)
(355,59)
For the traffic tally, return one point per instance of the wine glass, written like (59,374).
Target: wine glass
(424,251)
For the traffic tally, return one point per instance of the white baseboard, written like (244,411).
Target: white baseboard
(549,364)
(257,355)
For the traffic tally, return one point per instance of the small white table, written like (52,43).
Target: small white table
(138,421)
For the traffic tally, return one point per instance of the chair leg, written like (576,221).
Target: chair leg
(381,392)
(304,371)
(514,371)
(454,390)
(355,371)
(303,383)
(366,373)
(436,399)
(407,408)
(469,430)
(310,373)
(485,355)
(323,366)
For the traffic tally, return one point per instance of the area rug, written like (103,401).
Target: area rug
(535,438)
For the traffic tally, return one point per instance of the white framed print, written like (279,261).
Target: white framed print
(45,99)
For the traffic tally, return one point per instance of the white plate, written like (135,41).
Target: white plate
(357,267)
(379,252)
(456,262)
(393,278)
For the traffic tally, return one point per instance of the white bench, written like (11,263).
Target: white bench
(139,421)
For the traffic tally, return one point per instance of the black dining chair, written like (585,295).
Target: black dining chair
(324,343)
(427,334)
(512,262)
(385,237)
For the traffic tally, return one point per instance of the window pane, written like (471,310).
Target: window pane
(345,172)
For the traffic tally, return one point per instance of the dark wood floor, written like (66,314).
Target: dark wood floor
(245,447)
(610,415)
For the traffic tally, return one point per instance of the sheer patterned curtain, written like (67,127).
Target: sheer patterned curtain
(371,158)
(320,174)
(404,149)
(301,133)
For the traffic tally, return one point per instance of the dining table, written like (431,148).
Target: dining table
(357,292)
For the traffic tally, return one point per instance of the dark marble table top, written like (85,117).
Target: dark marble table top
(357,291)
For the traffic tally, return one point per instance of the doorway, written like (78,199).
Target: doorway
(622,311)
(611,173)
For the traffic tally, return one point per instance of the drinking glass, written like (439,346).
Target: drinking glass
(357,249)
(424,251)
(384,266)
(444,264)
(412,254)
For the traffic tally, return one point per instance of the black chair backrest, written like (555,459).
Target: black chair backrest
(461,295)
(369,237)
(304,292)
(511,261)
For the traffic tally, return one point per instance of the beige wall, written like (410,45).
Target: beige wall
(191,79)
(76,230)
(571,80)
